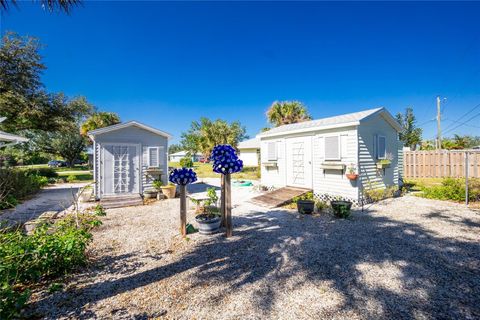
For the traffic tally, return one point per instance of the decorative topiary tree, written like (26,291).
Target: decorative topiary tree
(226,162)
(182,177)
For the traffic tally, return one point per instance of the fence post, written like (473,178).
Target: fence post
(466,178)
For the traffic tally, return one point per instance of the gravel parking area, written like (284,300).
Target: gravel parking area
(402,258)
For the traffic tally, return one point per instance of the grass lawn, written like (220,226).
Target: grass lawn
(81,173)
(204,170)
(418,183)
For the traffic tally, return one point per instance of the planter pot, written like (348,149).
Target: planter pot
(381,165)
(208,224)
(352,176)
(305,206)
(150,194)
(341,209)
(169,191)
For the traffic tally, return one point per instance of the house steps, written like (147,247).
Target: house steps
(120,201)
(278,197)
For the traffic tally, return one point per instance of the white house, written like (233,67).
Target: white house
(317,154)
(128,157)
(177,156)
(249,152)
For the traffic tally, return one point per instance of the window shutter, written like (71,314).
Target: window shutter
(272,151)
(161,156)
(375,149)
(382,147)
(332,148)
(153,157)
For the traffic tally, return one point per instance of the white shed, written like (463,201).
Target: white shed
(317,154)
(128,157)
(249,152)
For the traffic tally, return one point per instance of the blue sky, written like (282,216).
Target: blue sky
(166,64)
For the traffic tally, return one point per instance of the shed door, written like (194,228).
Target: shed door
(120,169)
(299,162)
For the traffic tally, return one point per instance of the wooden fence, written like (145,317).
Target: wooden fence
(439,164)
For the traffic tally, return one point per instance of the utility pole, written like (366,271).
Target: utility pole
(439,130)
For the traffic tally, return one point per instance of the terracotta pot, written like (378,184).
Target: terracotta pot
(169,191)
(352,176)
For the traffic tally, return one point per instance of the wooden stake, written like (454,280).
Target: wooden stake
(228,205)
(183,211)
(222,199)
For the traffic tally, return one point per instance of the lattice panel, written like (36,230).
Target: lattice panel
(121,169)
(298,163)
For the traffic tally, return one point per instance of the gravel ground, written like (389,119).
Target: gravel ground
(402,258)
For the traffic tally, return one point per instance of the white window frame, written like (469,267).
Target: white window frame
(275,145)
(339,155)
(378,147)
(158,157)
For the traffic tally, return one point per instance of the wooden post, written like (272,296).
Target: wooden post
(222,198)
(466,178)
(228,205)
(183,210)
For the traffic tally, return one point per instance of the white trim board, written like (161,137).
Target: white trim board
(119,126)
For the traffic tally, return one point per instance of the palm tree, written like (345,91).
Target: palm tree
(99,120)
(51,5)
(286,112)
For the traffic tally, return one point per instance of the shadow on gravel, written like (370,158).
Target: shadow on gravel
(266,248)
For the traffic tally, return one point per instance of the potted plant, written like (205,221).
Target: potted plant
(157,185)
(150,194)
(305,203)
(385,163)
(169,190)
(352,172)
(341,208)
(209,221)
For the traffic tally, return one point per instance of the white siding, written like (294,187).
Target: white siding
(370,177)
(273,176)
(334,182)
(249,157)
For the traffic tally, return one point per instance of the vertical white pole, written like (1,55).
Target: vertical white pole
(466,178)
(183,211)
(228,205)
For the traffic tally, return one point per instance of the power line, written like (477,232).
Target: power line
(468,125)
(466,114)
(463,123)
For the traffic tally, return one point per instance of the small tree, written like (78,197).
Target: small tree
(69,145)
(99,120)
(287,112)
(411,136)
(186,162)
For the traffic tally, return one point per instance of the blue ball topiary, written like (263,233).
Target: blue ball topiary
(225,159)
(182,176)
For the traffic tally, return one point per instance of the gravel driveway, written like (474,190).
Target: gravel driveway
(401,258)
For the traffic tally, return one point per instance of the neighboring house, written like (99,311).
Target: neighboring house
(316,154)
(8,139)
(176,157)
(249,152)
(128,157)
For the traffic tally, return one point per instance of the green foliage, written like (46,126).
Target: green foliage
(99,120)
(186,162)
(457,142)
(17,184)
(320,205)
(157,184)
(99,210)
(205,134)
(453,189)
(378,194)
(51,251)
(71,178)
(50,5)
(305,196)
(174,148)
(411,136)
(42,172)
(212,197)
(341,209)
(287,112)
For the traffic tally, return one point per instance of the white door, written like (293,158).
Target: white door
(121,169)
(299,162)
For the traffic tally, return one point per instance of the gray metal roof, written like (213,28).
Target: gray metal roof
(324,123)
(250,144)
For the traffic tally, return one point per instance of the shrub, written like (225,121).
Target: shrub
(320,205)
(52,250)
(378,194)
(71,178)
(42,172)
(453,189)
(186,162)
(157,184)
(17,184)
(99,210)
(305,196)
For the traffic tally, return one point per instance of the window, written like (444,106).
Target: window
(381,147)
(272,151)
(332,148)
(153,157)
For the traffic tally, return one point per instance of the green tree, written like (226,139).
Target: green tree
(50,5)
(174,148)
(99,120)
(411,136)
(23,99)
(205,134)
(286,112)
